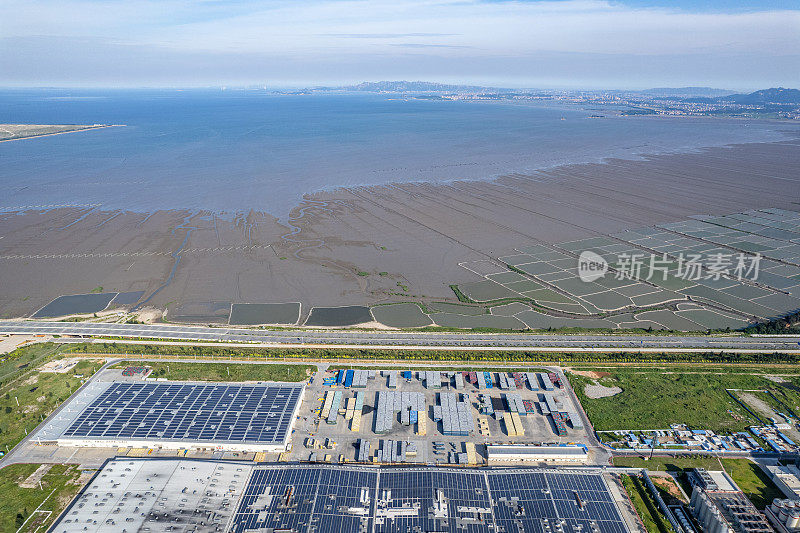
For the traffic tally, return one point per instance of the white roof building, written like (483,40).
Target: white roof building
(787,478)
(569,453)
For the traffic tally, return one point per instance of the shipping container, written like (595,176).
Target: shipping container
(519,430)
(511,430)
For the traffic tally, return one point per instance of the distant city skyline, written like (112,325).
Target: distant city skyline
(568,44)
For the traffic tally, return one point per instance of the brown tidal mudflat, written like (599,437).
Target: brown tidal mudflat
(368,245)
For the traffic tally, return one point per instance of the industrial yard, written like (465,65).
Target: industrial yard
(439,417)
(466,418)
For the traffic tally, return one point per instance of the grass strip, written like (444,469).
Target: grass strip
(29,397)
(234,372)
(428,354)
(30,503)
(654,521)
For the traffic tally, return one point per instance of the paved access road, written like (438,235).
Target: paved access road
(505,341)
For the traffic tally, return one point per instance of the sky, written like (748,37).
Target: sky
(570,44)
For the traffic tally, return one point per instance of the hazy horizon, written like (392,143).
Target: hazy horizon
(321,85)
(568,44)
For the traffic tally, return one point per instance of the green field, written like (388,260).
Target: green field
(59,485)
(669,464)
(656,397)
(224,371)
(733,366)
(753,481)
(28,396)
(788,394)
(23,359)
(646,507)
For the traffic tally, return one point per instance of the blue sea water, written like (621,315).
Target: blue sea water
(233,151)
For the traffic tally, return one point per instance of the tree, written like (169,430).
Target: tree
(21,518)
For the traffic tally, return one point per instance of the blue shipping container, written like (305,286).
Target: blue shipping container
(774,445)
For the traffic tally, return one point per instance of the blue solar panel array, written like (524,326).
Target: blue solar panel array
(459,489)
(578,499)
(189,412)
(338,499)
(292,499)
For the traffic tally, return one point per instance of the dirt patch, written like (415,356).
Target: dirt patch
(33,380)
(776,379)
(757,404)
(11,343)
(593,374)
(64,499)
(59,366)
(595,391)
(668,485)
(84,478)
(34,479)
(149,315)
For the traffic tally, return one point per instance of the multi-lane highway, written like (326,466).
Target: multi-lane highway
(409,339)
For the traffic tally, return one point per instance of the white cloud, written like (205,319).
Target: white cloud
(495,27)
(352,30)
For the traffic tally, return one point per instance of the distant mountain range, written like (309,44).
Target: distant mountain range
(777,95)
(765,97)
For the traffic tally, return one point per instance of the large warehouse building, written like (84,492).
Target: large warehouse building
(200,495)
(176,415)
(157,495)
(534,453)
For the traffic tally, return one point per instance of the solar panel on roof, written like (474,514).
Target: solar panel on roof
(178,411)
(339,498)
